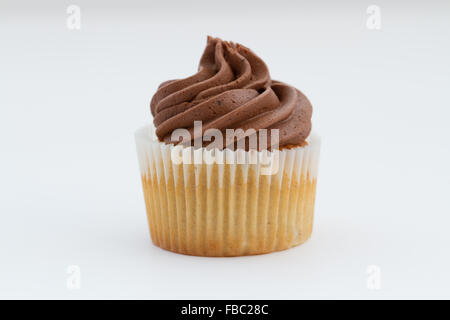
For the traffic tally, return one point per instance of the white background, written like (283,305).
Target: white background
(70,101)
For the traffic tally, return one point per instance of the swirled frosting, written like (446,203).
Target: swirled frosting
(231,90)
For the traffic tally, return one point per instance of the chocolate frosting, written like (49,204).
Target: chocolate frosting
(232,90)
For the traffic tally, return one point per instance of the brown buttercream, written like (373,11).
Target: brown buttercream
(232,90)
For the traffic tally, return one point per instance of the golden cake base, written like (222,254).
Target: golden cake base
(251,215)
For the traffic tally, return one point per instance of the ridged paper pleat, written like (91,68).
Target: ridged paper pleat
(229,209)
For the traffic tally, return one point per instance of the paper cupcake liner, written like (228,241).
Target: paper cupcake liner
(228,209)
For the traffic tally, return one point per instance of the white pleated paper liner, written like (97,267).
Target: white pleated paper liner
(155,158)
(230,208)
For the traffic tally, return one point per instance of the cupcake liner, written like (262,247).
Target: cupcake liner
(231,208)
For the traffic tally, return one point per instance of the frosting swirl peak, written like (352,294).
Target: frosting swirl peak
(231,90)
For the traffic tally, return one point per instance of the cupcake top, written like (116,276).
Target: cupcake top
(232,90)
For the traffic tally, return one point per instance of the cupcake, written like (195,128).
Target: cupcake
(229,166)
